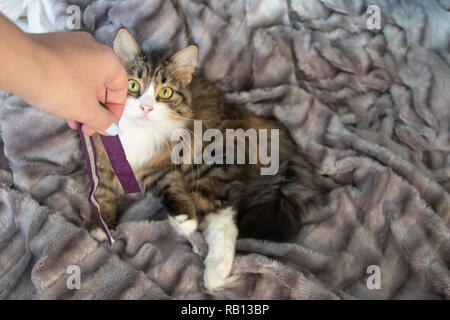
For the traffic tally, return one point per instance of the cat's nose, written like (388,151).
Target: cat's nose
(146,108)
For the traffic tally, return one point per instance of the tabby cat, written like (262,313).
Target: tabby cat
(221,200)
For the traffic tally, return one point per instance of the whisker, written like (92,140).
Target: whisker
(192,119)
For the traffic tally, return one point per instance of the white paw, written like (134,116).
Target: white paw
(183,225)
(181,217)
(188,226)
(216,274)
(99,235)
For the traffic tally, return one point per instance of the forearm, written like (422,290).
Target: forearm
(66,74)
(22,61)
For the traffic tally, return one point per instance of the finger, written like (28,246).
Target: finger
(116,88)
(101,120)
(87,130)
(101,94)
(109,99)
(116,109)
(73,124)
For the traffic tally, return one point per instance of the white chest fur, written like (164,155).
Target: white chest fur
(138,142)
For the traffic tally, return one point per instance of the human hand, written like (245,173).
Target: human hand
(78,73)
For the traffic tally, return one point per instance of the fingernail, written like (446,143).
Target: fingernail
(113,129)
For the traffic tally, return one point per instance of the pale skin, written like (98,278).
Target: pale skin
(66,74)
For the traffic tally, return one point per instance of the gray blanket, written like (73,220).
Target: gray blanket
(369,108)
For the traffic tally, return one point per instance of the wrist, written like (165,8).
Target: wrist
(41,61)
(41,67)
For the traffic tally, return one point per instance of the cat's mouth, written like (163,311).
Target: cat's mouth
(138,119)
(145,117)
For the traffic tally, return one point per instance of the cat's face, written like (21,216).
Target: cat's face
(157,93)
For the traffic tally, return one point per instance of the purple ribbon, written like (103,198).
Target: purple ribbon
(120,165)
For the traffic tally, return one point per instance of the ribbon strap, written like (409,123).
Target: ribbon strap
(120,165)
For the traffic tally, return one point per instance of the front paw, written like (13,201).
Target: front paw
(99,235)
(183,225)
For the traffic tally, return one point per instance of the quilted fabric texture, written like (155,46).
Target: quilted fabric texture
(369,108)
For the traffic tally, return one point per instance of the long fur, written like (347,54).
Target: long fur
(215,196)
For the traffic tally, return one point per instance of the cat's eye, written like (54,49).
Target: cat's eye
(133,86)
(165,93)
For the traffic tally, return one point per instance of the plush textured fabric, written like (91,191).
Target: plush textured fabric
(369,108)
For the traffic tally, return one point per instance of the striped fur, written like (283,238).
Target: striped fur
(267,207)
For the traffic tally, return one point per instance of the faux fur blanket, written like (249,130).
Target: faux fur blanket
(370,108)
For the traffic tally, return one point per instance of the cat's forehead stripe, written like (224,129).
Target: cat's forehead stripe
(143,68)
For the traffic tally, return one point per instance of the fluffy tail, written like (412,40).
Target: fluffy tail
(275,205)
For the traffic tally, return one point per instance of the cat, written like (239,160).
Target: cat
(223,201)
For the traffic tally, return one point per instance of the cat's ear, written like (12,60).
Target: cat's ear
(125,46)
(184,63)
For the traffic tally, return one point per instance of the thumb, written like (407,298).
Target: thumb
(103,122)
